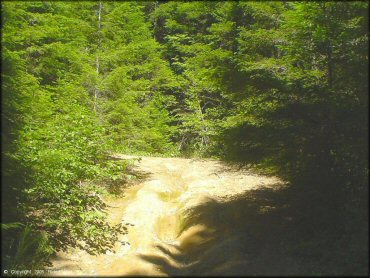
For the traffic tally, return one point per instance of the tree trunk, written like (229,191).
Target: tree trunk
(328,48)
(330,67)
(203,125)
(96,94)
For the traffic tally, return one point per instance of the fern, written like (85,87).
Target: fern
(10,226)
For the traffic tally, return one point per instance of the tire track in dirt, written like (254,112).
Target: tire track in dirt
(163,238)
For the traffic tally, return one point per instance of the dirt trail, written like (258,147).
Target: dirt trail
(165,237)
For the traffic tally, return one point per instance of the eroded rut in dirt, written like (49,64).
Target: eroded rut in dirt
(178,222)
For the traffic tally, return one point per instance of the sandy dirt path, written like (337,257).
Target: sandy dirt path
(164,237)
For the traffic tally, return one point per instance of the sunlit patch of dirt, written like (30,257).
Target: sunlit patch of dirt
(167,233)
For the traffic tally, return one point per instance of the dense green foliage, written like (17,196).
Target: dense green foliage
(133,81)
(281,86)
(52,142)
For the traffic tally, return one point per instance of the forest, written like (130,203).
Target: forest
(278,87)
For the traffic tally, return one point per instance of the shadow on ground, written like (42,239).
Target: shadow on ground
(260,233)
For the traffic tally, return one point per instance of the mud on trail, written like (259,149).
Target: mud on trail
(187,218)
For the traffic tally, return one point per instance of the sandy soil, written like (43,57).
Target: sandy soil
(165,234)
